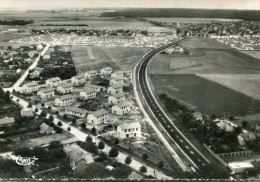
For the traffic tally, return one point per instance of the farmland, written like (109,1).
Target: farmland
(203,43)
(88,57)
(255,54)
(204,95)
(5,37)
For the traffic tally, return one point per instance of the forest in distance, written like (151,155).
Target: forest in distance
(186,13)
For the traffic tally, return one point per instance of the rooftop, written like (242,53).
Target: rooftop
(65,85)
(7,120)
(68,96)
(116,86)
(120,94)
(48,89)
(80,76)
(54,79)
(90,90)
(31,84)
(76,109)
(123,104)
(92,86)
(129,125)
(99,112)
(240,165)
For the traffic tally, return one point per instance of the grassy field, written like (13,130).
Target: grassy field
(5,37)
(87,57)
(190,20)
(255,54)
(201,42)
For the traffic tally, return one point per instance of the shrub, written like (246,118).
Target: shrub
(102,157)
(89,139)
(57,112)
(121,172)
(51,118)
(128,160)
(93,131)
(143,169)
(113,152)
(101,145)
(36,109)
(42,104)
(160,164)
(116,141)
(83,125)
(68,128)
(145,157)
(49,107)
(29,105)
(43,114)
(17,100)
(74,121)
(59,123)
(65,116)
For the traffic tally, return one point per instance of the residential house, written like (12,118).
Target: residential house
(121,108)
(240,167)
(116,81)
(45,128)
(246,137)
(78,79)
(64,100)
(106,71)
(114,89)
(27,112)
(53,82)
(127,130)
(88,93)
(225,126)
(117,74)
(198,116)
(97,117)
(75,111)
(7,121)
(36,73)
(45,93)
(91,74)
(79,155)
(91,86)
(116,98)
(65,88)
(30,87)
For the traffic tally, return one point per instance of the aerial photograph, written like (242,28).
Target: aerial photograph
(130,90)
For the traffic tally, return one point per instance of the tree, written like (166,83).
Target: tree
(65,116)
(113,152)
(143,169)
(51,118)
(74,121)
(29,105)
(121,172)
(83,125)
(160,164)
(42,104)
(89,139)
(128,160)
(145,157)
(116,141)
(43,114)
(231,118)
(54,144)
(68,128)
(7,97)
(93,131)
(101,145)
(49,107)
(2,93)
(57,112)
(245,124)
(36,109)
(59,123)
(17,100)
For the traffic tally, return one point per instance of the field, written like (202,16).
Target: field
(255,54)
(203,43)
(88,57)
(190,20)
(204,95)
(5,37)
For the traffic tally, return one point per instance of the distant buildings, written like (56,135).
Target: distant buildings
(75,111)
(127,130)
(78,79)
(106,71)
(45,128)
(65,88)
(91,74)
(64,100)
(117,74)
(91,86)
(114,89)
(30,87)
(116,98)
(246,137)
(116,81)
(97,117)
(88,94)
(240,167)
(121,108)
(45,93)
(53,82)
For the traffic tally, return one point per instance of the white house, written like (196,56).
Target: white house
(127,130)
(97,117)
(91,74)
(75,111)
(121,108)
(65,88)
(117,74)
(240,167)
(116,98)
(91,86)
(53,82)
(115,89)
(30,87)
(106,71)
(78,79)
(64,100)
(116,81)
(27,112)
(88,94)
(45,93)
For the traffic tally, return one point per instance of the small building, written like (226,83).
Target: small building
(27,112)
(46,57)
(117,74)
(78,79)
(53,82)
(30,87)
(114,89)
(79,155)
(116,98)
(225,126)
(45,128)
(240,167)
(121,108)
(97,117)
(65,88)
(91,86)
(116,81)
(7,121)
(127,130)
(198,116)
(91,74)
(75,111)
(88,94)
(64,100)
(246,137)
(45,93)
(106,71)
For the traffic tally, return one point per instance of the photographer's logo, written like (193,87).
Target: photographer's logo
(25,160)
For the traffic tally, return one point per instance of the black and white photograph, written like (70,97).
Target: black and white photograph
(130,90)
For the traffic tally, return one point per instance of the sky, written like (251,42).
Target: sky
(207,4)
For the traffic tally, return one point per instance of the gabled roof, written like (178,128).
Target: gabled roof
(99,112)
(76,109)
(76,155)
(92,86)
(123,104)
(120,94)
(68,96)
(80,76)
(118,73)
(48,89)
(54,79)
(7,120)
(31,84)
(65,85)
(117,79)
(90,90)
(107,68)
(116,86)
(124,126)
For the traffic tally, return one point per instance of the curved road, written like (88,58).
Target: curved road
(197,160)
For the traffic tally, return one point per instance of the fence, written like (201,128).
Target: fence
(236,154)
(216,156)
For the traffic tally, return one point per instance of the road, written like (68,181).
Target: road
(197,160)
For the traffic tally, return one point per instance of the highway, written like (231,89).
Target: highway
(199,163)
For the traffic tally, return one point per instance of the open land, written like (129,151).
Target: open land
(87,57)
(255,54)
